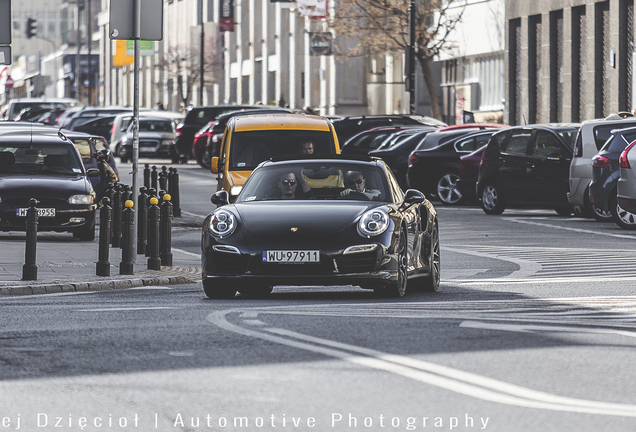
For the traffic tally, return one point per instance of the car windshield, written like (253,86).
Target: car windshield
(39,158)
(157,126)
(317,181)
(569,136)
(250,148)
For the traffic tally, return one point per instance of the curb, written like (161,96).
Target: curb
(97,285)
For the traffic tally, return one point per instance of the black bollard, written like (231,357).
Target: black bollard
(103,265)
(174,193)
(30,268)
(116,219)
(147,176)
(165,231)
(163,178)
(153,177)
(110,193)
(154,262)
(142,220)
(127,239)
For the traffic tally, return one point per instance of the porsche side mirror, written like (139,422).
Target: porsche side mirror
(220,198)
(214,165)
(413,196)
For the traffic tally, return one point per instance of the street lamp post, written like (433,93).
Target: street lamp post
(411,60)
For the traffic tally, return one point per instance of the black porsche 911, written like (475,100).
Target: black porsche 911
(327,221)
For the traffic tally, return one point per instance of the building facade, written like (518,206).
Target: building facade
(568,60)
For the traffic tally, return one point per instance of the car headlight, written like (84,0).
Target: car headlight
(373,223)
(235,190)
(81,199)
(124,139)
(167,142)
(222,223)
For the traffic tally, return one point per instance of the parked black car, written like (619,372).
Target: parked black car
(396,149)
(435,171)
(527,166)
(369,140)
(605,175)
(195,119)
(352,125)
(48,168)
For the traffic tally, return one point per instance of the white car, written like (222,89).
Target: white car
(591,137)
(122,121)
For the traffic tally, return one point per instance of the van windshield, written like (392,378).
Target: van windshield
(250,148)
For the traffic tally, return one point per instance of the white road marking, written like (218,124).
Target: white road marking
(528,328)
(455,380)
(125,309)
(580,230)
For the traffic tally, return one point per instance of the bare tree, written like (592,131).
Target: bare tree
(184,64)
(382,26)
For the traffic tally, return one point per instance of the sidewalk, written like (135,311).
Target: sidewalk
(65,264)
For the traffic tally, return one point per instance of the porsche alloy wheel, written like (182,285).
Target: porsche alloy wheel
(447,189)
(491,200)
(432,281)
(216,290)
(397,288)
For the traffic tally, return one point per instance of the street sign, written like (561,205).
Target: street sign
(5,23)
(5,55)
(226,20)
(9,82)
(122,14)
(320,43)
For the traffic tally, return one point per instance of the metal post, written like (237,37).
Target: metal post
(116,221)
(30,268)
(176,200)
(165,231)
(153,177)
(147,176)
(128,240)
(105,213)
(142,221)
(154,262)
(135,158)
(163,179)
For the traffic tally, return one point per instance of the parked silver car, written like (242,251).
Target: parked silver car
(157,136)
(592,135)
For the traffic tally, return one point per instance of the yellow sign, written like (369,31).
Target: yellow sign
(120,57)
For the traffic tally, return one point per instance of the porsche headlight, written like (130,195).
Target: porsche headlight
(81,199)
(373,223)
(222,223)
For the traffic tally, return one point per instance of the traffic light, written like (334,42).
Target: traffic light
(31,28)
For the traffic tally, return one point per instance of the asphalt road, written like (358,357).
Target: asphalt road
(532,330)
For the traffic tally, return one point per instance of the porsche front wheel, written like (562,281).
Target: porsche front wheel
(397,288)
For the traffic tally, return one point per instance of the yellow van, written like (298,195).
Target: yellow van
(251,139)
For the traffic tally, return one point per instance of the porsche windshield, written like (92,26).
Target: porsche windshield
(317,181)
(34,158)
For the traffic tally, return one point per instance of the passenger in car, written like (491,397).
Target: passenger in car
(288,185)
(356,182)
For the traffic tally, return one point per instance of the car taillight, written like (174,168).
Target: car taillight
(412,160)
(624,162)
(112,130)
(179,127)
(600,161)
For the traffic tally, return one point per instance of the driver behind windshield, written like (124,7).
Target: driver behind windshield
(356,182)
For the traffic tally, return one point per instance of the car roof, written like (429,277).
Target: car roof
(267,121)
(248,111)
(21,138)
